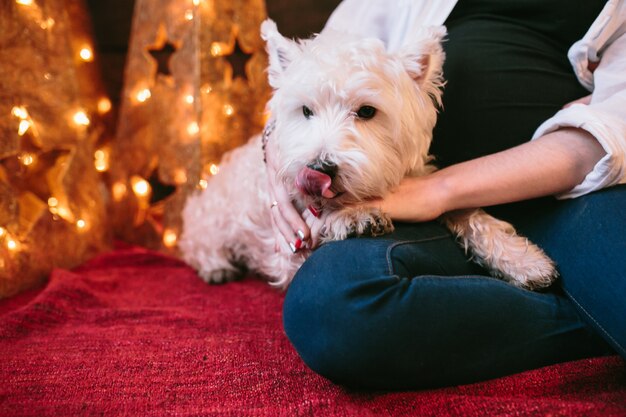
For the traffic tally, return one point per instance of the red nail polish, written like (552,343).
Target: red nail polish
(314,211)
(298,244)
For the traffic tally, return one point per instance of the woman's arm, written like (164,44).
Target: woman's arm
(549,165)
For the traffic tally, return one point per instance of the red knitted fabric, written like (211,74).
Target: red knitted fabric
(135,333)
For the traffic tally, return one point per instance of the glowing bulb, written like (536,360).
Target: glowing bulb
(20,112)
(206,89)
(86,54)
(27,159)
(104,105)
(140,186)
(118,190)
(143,95)
(3,231)
(189,99)
(189,15)
(203,184)
(53,202)
(169,238)
(193,128)
(81,224)
(216,49)
(23,127)
(228,110)
(24,2)
(11,244)
(196,2)
(47,24)
(214,169)
(81,119)
(101,160)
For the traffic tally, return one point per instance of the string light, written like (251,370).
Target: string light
(24,2)
(81,119)
(196,2)
(214,169)
(53,202)
(169,238)
(193,128)
(23,127)
(189,99)
(81,224)
(86,54)
(104,105)
(101,160)
(140,186)
(189,14)
(27,159)
(12,244)
(202,184)
(19,112)
(47,24)
(119,191)
(216,49)
(3,231)
(228,110)
(143,95)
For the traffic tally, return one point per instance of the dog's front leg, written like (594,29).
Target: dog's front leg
(495,245)
(355,221)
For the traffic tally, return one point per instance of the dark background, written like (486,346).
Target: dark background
(112,23)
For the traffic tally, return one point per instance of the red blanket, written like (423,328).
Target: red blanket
(136,333)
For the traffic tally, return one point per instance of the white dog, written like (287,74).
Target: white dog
(349,121)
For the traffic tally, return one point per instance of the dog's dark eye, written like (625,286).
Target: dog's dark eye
(307,112)
(366,112)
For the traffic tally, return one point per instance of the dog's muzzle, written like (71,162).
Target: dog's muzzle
(316,179)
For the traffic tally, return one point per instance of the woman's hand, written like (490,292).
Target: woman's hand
(290,229)
(416,199)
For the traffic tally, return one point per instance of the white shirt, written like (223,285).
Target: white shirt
(393,21)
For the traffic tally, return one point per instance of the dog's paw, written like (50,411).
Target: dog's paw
(356,222)
(219,276)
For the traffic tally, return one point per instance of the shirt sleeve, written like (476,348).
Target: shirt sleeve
(604,118)
(393,21)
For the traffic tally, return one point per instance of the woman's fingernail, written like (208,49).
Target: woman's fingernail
(292,247)
(314,211)
(300,234)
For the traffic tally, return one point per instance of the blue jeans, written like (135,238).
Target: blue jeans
(408,310)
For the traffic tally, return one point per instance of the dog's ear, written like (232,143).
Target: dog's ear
(423,59)
(281,51)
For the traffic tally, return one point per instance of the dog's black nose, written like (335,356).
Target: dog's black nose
(325,167)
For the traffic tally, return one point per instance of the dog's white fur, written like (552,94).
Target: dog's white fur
(228,225)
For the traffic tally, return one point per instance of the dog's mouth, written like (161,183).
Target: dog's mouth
(314,183)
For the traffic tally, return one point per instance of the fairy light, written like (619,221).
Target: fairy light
(3,232)
(86,54)
(101,160)
(53,202)
(12,245)
(193,128)
(189,99)
(214,169)
(216,49)
(140,186)
(27,159)
(24,2)
(202,184)
(81,224)
(196,2)
(228,110)
(143,95)
(19,112)
(206,89)
(189,14)
(47,24)
(23,127)
(169,238)
(104,105)
(118,190)
(80,118)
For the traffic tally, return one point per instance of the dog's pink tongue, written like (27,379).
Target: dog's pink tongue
(314,183)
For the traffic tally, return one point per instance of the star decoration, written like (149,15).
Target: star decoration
(161,52)
(237,60)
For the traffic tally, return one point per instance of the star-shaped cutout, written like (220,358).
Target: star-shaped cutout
(161,51)
(237,60)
